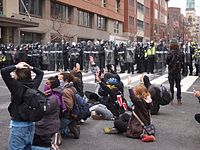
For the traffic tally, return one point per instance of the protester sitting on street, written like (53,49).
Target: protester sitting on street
(21,132)
(130,125)
(197,116)
(77,83)
(154,94)
(76,72)
(108,91)
(68,120)
(50,123)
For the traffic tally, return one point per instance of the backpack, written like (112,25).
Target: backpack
(81,108)
(176,62)
(165,95)
(34,105)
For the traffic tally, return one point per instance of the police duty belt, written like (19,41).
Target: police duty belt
(161,52)
(56,52)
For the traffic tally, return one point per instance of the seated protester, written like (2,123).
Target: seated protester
(68,120)
(197,116)
(130,125)
(78,84)
(78,81)
(50,123)
(154,94)
(109,91)
(77,72)
(120,85)
(21,132)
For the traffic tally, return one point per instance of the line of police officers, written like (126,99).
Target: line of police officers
(147,57)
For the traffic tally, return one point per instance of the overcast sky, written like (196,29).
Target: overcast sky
(182,5)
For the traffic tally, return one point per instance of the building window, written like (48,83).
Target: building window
(147,28)
(117,5)
(101,23)
(190,19)
(131,20)
(59,11)
(116,27)
(140,24)
(147,12)
(84,19)
(140,7)
(131,3)
(155,28)
(1,7)
(29,37)
(103,3)
(34,7)
(156,14)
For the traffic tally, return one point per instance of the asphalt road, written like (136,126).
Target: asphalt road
(176,128)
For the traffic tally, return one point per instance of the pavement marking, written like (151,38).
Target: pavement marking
(187,82)
(51,75)
(3,87)
(135,78)
(160,79)
(4,105)
(89,77)
(123,75)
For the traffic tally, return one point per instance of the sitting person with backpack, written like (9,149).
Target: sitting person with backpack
(21,131)
(50,123)
(69,123)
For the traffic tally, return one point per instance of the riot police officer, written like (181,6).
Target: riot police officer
(150,57)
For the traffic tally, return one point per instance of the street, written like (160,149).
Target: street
(176,128)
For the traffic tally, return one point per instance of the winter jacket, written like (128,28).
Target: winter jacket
(142,109)
(69,92)
(175,60)
(50,123)
(17,88)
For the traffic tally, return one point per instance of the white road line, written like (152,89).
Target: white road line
(88,77)
(135,78)
(3,87)
(4,105)
(123,75)
(160,79)
(51,75)
(187,82)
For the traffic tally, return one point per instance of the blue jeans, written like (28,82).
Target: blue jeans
(39,148)
(21,138)
(64,126)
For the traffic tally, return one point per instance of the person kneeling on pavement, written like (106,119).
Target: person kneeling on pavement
(50,123)
(108,90)
(69,123)
(133,125)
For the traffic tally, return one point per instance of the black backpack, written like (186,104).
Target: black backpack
(176,62)
(34,105)
(165,96)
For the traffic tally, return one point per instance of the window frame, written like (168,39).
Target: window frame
(31,6)
(84,19)
(102,23)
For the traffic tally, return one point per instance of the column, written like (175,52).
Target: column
(16,36)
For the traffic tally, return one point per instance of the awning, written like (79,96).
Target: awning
(12,22)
